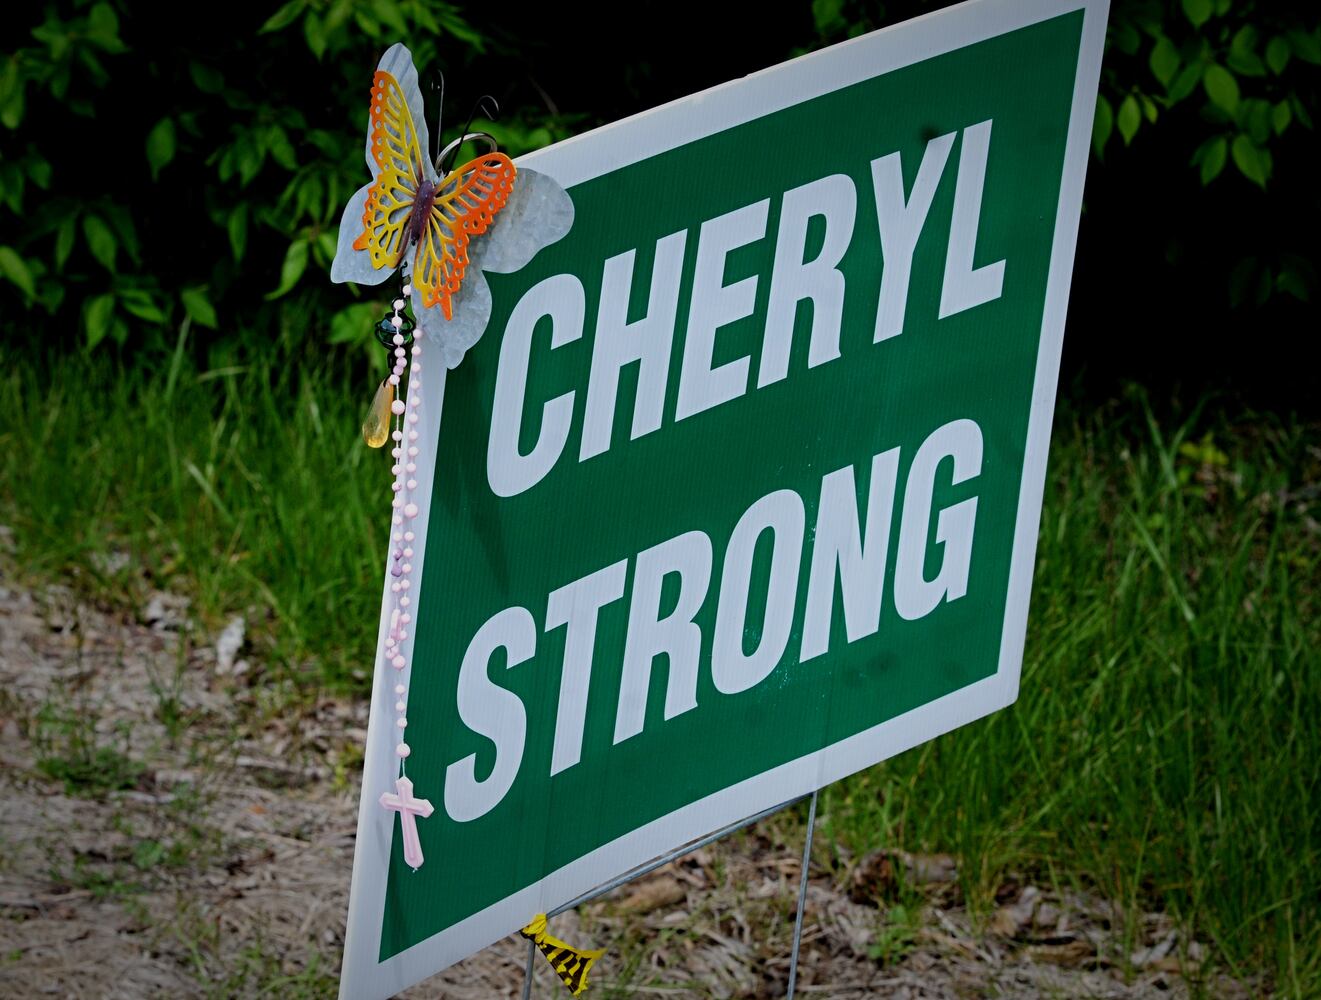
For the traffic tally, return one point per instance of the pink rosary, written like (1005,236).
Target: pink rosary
(390,411)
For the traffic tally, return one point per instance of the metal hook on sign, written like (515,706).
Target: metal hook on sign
(490,107)
(454,145)
(440,110)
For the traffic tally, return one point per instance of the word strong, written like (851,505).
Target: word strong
(738,492)
(845,546)
(714,303)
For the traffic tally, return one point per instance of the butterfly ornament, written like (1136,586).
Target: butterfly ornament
(438,229)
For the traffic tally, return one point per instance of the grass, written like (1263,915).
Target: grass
(1164,751)
(246,486)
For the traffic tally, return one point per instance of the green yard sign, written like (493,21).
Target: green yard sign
(739,492)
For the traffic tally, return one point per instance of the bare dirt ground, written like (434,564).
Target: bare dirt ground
(175,823)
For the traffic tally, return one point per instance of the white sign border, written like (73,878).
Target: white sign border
(603,151)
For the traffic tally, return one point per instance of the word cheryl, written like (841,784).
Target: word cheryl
(829,205)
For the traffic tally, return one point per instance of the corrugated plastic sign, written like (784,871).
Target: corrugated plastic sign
(739,492)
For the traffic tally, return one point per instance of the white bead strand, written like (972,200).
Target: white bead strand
(405,411)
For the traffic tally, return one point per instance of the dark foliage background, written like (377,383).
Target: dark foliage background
(158,166)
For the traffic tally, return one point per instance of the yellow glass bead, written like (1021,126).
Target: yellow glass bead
(376,428)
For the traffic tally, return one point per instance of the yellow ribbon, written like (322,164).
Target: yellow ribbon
(570,964)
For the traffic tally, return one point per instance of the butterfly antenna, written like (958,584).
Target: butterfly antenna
(486,104)
(440,113)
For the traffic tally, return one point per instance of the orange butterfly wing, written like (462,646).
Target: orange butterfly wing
(465,206)
(398,159)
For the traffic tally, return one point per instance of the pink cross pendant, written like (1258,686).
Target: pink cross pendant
(409,809)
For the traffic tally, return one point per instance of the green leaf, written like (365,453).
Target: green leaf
(1197,11)
(11,110)
(12,181)
(1255,117)
(199,307)
(1221,87)
(828,15)
(250,156)
(11,93)
(1124,36)
(283,17)
(1292,282)
(327,244)
(1164,61)
(238,230)
(354,322)
(315,33)
(1243,53)
(122,224)
(1253,162)
(391,16)
(1280,117)
(1102,125)
(16,269)
(1244,40)
(341,10)
(39,169)
(452,22)
(1185,83)
(103,29)
(64,241)
(1213,153)
(225,168)
(100,240)
(281,149)
(295,263)
(309,196)
(1246,63)
(1300,111)
(96,318)
(205,78)
(1130,117)
(1305,45)
(141,305)
(1277,54)
(1148,108)
(160,145)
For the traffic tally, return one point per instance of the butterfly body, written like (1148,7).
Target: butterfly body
(423,202)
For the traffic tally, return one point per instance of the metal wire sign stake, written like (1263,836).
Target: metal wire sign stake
(679,852)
